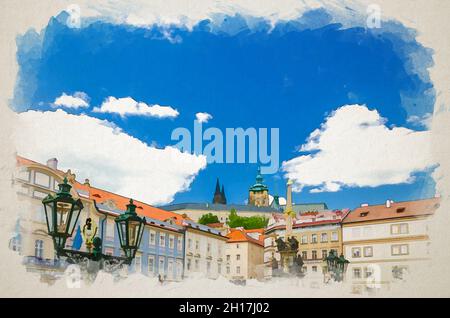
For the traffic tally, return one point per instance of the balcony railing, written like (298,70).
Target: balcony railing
(41,262)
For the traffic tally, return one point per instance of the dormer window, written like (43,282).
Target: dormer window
(96,195)
(400,210)
(363,214)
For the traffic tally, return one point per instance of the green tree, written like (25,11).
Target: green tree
(208,219)
(248,223)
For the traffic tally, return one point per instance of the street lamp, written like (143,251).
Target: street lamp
(62,212)
(342,265)
(331,260)
(337,266)
(130,228)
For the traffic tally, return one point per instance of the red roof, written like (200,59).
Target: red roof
(395,210)
(240,235)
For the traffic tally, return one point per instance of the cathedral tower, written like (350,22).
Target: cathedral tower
(219,195)
(258,194)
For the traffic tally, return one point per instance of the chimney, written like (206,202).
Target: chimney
(388,203)
(86,182)
(52,163)
(364,204)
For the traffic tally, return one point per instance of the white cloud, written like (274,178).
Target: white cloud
(110,158)
(128,106)
(203,117)
(355,148)
(79,99)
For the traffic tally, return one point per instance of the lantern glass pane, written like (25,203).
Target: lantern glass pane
(133,233)
(74,218)
(123,233)
(63,210)
(49,216)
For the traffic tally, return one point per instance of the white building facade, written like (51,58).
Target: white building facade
(204,250)
(385,243)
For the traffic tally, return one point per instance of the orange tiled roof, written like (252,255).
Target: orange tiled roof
(396,210)
(143,209)
(238,235)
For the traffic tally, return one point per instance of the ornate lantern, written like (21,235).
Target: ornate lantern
(61,213)
(342,264)
(332,260)
(130,228)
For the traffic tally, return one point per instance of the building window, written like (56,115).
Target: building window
(238,257)
(399,228)
(171,242)
(197,265)
(137,263)
(305,255)
(238,269)
(219,268)
(357,273)
(356,252)
(152,237)
(304,239)
(161,265)
(228,258)
(324,237)
(151,264)
(179,243)
(237,245)
(324,254)
(208,268)
(334,236)
(109,230)
(314,238)
(208,247)
(162,239)
(197,245)
(400,249)
(228,269)
(314,268)
(368,251)
(41,179)
(189,263)
(39,248)
(16,243)
(189,243)
(314,254)
(219,249)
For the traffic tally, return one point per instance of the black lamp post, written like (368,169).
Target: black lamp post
(337,266)
(62,212)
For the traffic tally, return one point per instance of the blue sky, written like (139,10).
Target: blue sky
(291,78)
